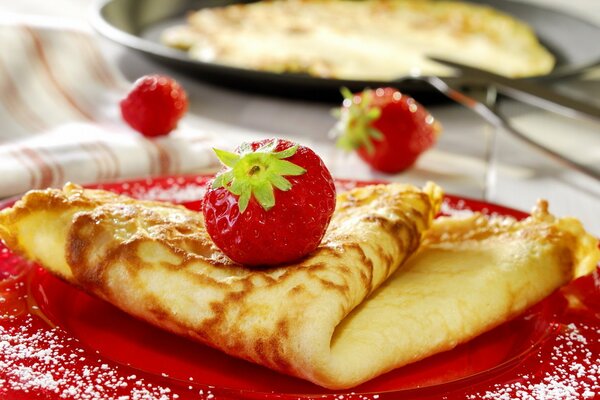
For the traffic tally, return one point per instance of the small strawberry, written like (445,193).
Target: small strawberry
(154,105)
(388,129)
(270,204)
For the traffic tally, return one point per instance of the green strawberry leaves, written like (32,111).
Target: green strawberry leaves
(354,129)
(256,173)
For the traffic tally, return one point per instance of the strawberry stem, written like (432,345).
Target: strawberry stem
(354,129)
(256,172)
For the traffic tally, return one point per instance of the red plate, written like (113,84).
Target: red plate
(57,342)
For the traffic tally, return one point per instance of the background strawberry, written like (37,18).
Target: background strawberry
(388,129)
(154,105)
(271,203)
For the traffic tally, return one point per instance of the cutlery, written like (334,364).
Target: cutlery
(526,91)
(500,121)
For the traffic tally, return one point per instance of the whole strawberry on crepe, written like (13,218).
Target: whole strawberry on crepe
(388,129)
(270,204)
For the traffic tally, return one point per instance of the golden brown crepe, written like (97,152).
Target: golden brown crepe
(470,275)
(364,40)
(347,313)
(156,262)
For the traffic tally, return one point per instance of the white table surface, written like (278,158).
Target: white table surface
(471,158)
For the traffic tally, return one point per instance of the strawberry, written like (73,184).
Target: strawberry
(270,204)
(154,105)
(388,129)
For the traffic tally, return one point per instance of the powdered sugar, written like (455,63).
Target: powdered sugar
(575,372)
(174,193)
(459,209)
(178,190)
(181,190)
(34,360)
(37,360)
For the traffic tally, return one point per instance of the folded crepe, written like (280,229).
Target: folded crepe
(348,312)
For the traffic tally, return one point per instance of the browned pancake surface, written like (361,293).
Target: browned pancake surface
(155,261)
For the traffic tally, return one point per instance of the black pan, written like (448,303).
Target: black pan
(137,24)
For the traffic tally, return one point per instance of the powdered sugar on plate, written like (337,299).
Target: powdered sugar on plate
(178,190)
(182,190)
(574,373)
(40,361)
(34,361)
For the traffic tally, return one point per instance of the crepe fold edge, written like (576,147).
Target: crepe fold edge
(154,261)
(470,275)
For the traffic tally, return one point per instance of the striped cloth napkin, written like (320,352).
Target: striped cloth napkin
(60,120)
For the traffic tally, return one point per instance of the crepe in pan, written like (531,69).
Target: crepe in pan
(365,40)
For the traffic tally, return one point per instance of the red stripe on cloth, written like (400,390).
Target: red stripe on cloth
(58,173)
(30,170)
(100,169)
(176,163)
(174,160)
(47,175)
(18,109)
(164,158)
(152,156)
(112,160)
(39,48)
